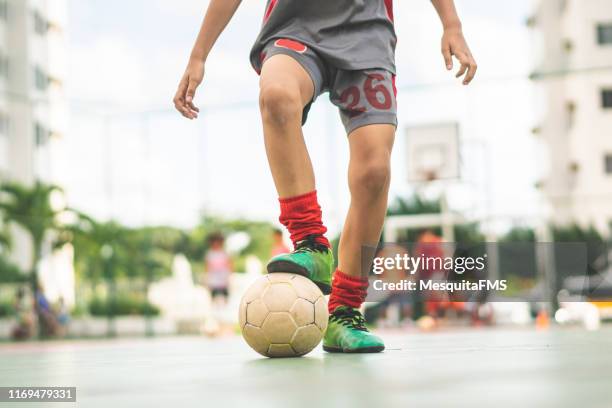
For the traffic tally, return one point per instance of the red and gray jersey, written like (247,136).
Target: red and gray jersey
(347,34)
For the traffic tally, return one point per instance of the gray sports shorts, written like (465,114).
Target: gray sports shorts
(364,97)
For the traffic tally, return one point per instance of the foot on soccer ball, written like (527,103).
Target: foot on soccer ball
(310,259)
(346,333)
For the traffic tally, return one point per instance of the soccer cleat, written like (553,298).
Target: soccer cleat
(309,259)
(346,333)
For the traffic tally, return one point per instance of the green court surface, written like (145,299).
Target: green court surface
(470,368)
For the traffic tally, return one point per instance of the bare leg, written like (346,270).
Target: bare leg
(285,88)
(369,177)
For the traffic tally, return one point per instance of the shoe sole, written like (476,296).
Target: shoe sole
(290,267)
(372,349)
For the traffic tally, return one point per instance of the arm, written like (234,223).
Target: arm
(219,13)
(453,42)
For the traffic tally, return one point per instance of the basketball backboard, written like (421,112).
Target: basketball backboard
(433,152)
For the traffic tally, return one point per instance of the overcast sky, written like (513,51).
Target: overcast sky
(126,57)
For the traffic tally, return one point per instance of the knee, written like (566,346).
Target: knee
(372,178)
(280,104)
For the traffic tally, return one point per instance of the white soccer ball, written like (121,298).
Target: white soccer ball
(283,315)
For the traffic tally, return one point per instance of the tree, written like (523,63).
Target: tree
(98,248)
(108,252)
(9,272)
(466,234)
(413,206)
(31,209)
(5,240)
(595,244)
(519,234)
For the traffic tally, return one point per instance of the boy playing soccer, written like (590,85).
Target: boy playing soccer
(346,48)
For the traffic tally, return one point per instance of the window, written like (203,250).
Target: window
(3,10)
(41,134)
(604,34)
(41,25)
(606,98)
(608,163)
(41,79)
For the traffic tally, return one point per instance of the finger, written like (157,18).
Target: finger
(192,113)
(179,97)
(191,88)
(192,107)
(471,72)
(187,109)
(462,70)
(179,104)
(189,114)
(193,110)
(183,111)
(448,58)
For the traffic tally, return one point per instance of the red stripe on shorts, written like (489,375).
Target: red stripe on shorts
(389,7)
(269,10)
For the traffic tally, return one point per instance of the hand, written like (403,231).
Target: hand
(192,78)
(454,44)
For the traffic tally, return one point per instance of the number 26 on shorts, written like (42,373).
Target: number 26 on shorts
(375,92)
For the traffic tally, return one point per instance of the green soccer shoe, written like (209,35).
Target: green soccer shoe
(346,333)
(309,259)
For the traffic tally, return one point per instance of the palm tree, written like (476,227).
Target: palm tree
(5,240)
(9,272)
(99,252)
(31,209)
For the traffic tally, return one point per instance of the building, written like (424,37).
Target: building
(32,105)
(573,52)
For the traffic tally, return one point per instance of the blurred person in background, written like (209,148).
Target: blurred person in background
(429,245)
(23,315)
(49,325)
(63,315)
(218,269)
(438,304)
(278,244)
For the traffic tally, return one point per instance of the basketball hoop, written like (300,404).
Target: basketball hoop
(433,152)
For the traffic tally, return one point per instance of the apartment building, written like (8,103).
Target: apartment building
(573,52)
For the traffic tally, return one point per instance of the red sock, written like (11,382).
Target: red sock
(303,217)
(347,290)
